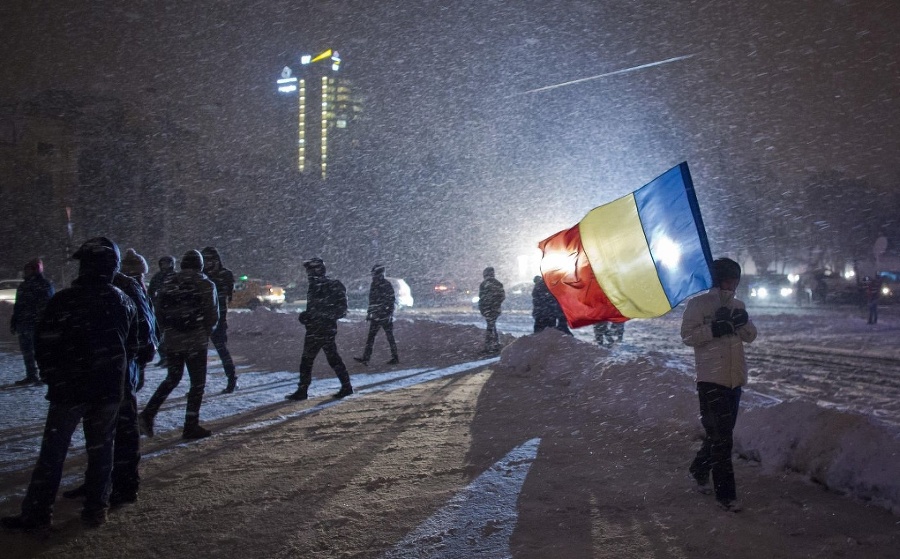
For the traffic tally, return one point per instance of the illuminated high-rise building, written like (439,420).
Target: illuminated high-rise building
(326,109)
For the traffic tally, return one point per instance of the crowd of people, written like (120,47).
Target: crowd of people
(91,342)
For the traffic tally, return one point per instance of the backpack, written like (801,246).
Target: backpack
(338,304)
(180,306)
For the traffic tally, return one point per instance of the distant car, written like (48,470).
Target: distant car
(771,289)
(252,293)
(358,293)
(8,289)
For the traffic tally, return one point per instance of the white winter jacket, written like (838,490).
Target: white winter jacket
(718,360)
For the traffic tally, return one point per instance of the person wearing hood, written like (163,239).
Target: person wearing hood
(127,443)
(490,298)
(32,296)
(84,341)
(380,314)
(717,326)
(188,311)
(326,303)
(166,270)
(224,280)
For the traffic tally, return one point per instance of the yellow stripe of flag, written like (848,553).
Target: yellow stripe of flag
(616,247)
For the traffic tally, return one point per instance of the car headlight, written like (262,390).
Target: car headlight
(762,292)
(786,291)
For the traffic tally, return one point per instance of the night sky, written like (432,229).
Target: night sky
(465,168)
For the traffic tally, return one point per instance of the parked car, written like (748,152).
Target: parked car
(770,289)
(443,292)
(251,293)
(8,289)
(358,293)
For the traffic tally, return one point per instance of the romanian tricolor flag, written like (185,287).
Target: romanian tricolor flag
(635,257)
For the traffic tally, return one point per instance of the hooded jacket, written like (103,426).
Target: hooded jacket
(381,299)
(717,360)
(219,275)
(490,296)
(31,298)
(84,341)
(207,311)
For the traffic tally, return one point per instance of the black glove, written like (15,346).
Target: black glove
(303,318)
(722,328)
(739,317)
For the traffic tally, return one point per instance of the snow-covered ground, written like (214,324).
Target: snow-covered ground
(824,396)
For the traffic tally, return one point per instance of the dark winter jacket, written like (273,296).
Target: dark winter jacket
(490,297)
(157,281)
(204,311)
(544,306)
(382,299)
(224,282)
(32,296)
(146,332)
(84,341)
(326,302)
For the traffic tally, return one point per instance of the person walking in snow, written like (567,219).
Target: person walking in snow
(543,306)
(380,314)
(126,477)
(188,311)
(166,270)
(32,296)
(717,326)
(490,298)
(224,280)
(872,291)
(84,341)
(326,303)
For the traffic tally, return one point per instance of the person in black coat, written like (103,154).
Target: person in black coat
(126,477)
(83,344)
(326,303)
(380,315)
(490,298)
(224,280)
(166,270)
(188,311)
(31,298)
(543,305)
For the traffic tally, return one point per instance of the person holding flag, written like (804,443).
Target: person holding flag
(717,326)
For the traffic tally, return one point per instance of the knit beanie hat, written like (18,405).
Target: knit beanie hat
(133,264)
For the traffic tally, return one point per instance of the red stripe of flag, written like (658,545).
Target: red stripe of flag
(572,281)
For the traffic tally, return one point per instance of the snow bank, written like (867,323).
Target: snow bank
(845,452)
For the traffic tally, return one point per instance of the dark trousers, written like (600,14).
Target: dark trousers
(873,313)
(541,324)
(491,338)
(126,476)
(313,342)
(718,414)
(99,429)
(26,345)
(195,361)
(374,326)
(219,338)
